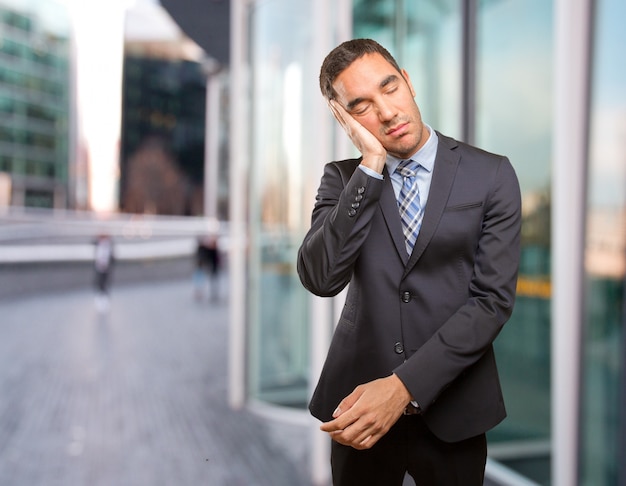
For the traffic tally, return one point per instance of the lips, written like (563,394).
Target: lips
(397,130)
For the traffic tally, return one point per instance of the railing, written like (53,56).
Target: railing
(39,235)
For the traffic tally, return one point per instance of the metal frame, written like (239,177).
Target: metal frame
(468,49)
(571,89)
(238,149)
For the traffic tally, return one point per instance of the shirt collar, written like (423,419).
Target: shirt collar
(424,157)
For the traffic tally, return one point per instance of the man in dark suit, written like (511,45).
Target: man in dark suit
(410,381)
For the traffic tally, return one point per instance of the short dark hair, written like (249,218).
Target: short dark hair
(345,54)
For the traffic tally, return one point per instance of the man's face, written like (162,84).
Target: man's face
(381,99)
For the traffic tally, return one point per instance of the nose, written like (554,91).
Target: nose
(386,110)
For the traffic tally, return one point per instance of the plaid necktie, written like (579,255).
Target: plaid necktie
(409,202)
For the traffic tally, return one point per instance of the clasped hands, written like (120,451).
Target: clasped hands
(368,413)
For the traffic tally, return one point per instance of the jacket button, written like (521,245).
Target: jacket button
(398,348)
(355,205)
(352,212)
(406,297)
(360,190)
(358,197)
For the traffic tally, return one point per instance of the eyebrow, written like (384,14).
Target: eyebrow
(389,79)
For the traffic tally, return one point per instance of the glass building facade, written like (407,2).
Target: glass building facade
(480,76)
(35,102)
(164,102)
(513,115)
(603,400)
(282,153)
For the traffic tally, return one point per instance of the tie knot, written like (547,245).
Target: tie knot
(407,168)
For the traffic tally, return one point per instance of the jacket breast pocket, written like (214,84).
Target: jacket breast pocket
(464,206)
(459,228)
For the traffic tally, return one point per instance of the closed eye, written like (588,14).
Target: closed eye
(360,109)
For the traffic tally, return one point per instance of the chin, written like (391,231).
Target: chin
(404,151)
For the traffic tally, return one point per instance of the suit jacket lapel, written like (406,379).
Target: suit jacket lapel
(446,163)
(389,208)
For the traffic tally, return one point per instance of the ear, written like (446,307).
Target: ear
(406,77)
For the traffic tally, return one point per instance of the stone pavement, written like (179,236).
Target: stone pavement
(134,397)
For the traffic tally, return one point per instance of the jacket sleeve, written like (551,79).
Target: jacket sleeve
(464,338)
(340,222)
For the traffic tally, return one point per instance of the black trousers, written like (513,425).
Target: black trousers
(409,446)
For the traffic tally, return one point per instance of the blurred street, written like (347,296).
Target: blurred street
(135,396)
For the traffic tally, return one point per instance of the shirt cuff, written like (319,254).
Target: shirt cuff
(371,172)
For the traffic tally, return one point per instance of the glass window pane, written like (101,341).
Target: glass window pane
(513,117)
(278,306)
(425,38)
(604,347)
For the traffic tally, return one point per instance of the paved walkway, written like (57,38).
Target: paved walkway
(131,398)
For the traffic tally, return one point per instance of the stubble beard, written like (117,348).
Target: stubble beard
(403,150)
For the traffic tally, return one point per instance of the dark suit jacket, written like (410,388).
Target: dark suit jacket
(430,318)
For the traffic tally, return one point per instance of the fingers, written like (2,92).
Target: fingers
(335,112)
(348,402)
(355,427)
(339,424)
(340,115)
(365,415)
(360,434)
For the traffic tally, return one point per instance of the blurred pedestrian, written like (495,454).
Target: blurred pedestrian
(103,266)
(207,267)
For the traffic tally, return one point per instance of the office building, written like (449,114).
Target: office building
(164,122)
(35,92)
(163,128)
